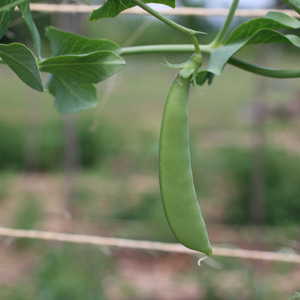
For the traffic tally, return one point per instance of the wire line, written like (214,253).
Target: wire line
(146,245)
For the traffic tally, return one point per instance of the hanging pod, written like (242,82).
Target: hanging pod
(175,173)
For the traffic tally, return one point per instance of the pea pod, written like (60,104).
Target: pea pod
(175,173)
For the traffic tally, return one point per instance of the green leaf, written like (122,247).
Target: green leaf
(260,30)
(86,68)
(26,14)
(65,43)
(22,61)
(295,4)
(70,96)
(203,77)
(272,20)
(6,5)
(6,11)
(111,8)
(221,55)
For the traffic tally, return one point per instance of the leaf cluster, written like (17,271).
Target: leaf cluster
(78,63)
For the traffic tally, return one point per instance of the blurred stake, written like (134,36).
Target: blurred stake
(258,173)
(70,22)
(32,134)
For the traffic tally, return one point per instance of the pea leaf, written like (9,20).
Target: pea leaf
(272,20)
(221,55)
(295,4)
(26,14)
(6,5)
(77,63)
(255,31)
(71,96)
(6,13)
(22,61)
(65,43)
(86,68)
(203,77)
(111,8)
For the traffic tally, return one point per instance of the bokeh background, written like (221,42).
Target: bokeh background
(96,172)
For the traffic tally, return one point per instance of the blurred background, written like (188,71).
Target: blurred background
(96,172)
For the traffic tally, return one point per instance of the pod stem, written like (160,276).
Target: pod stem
(189,32)
(219,39)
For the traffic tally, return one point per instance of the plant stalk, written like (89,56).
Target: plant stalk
(180,48)
(189,32)
(219,39)
(187,48)
(274,73)
(9,6)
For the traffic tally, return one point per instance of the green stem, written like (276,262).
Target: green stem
(189,32)
(162,18)
(196,44)
(274,73)
(223,31)
(182,48)
(187,48)
(7,7)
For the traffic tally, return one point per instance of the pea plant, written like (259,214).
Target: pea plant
(78,63)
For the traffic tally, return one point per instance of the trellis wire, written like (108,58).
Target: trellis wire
(146,245)
(191,11)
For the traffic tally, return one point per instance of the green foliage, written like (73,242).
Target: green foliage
(21,60)
(295,4)
(282,190)
(66,43)
(77,63)
(26,14)
(256,31)
(5,16)
(72,273)
(112,8)
(84,68)
(71,96)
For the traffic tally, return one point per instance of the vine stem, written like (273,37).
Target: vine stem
(274,73)
(189,32)
(224,29)
(187,48)
(7,7)
(180,48)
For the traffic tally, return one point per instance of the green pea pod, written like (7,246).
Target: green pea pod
(175,173)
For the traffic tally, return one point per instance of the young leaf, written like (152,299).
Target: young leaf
(70,96)
(65,43)
(221,55)
(295,4)
(111,8)
(203,76)
(5,15)
(26,14)
(86,68)
(21,60)
(272,20)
